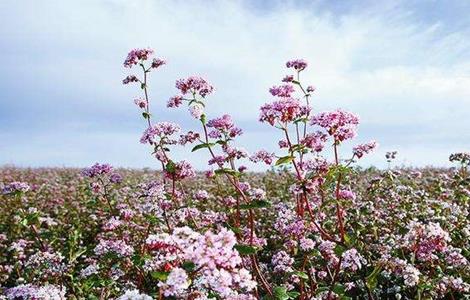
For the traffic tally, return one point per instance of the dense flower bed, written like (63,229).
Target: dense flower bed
(310,228)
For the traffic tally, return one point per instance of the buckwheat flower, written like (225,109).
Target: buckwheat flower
(347,195)
(182,170)
(366,148)
(244,186)
(140,102)
(297,64)
(283,91)
(288,78)
(89,270)
(242,169)
(194,85)
(257,193)
(176,283)
(210,174)
(352,260)
(218,159)
(175,101)
(134,295)
(112,224)
(196,111)
(201,195)
(97,170)
(161,130)
(136,56)
(283,144)
(130,79)
(223,123)
(311,89)
(188,138)
(282,262)
(315,141)
(29,291)
(115,178)
(306,244)
(118,247)
(15,187)
(339,124)
(285,110)
(262,155)
(158,62)
(411,276)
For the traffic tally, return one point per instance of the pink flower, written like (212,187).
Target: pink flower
(262,155)
(347,195)
(175,101)
(297,64)
(190,138)
(181,170)
(310,89)
(195,85)
(315,141)
(285,110)
(140,102)
(196,111)
(161,130)
(129,79)
(137,55)
(366,148)
(288,78)
(283,91)
(157,62)
(339,124)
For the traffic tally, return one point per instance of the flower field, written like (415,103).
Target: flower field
(313,226)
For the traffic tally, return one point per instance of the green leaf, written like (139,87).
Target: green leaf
(170,167)
(280,293)
(201,146)
(256,204)
(302,275)
(188,266)
(372,278)
(284,160)
(245,249)
(162,276)
(145,115)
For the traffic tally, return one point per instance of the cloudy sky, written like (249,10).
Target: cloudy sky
(402,66)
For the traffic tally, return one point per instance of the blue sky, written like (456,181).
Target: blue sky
(404,68)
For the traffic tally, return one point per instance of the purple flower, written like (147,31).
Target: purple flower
(137,55)
(129,79)
(15,187)
(366,148)
(297,64)
(157,62)
(283,91)
(97,170)
(194,85)
(175,101)
(339,124)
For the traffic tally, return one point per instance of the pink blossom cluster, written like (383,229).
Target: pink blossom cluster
(361,150)
(339,124)
(297,64)
(15,187)
(194,85)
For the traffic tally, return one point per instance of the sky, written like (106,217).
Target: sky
(402,66)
